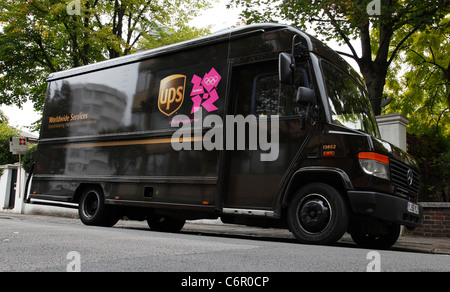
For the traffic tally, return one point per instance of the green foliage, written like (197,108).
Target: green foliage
(420,82)
(433,154)
(28,159)
(6,131)
(171,36)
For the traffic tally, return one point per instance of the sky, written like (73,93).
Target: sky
(217,18)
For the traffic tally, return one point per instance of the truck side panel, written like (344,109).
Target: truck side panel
(114,126)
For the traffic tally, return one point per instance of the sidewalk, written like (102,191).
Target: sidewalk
(435,245)
(431,245)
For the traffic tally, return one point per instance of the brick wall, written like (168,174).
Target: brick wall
(436,221)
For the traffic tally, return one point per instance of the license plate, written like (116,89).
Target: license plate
(413,208)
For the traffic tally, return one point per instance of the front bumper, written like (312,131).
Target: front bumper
(385,207)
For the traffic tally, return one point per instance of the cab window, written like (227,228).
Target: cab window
(259,92)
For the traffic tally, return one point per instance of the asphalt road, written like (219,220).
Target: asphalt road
(60,244)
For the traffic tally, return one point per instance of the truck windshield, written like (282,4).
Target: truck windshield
(349,102)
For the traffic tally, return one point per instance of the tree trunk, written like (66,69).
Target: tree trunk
(375,71)
(375,78)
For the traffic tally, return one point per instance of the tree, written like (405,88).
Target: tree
(420,81)
(349,20)
(38,37)
(6,132)
(28,159)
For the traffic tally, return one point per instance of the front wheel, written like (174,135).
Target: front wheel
(384,240)
(318,214)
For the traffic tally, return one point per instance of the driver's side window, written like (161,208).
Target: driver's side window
(260,93)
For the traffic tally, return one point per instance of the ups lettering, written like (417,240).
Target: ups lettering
(171,95)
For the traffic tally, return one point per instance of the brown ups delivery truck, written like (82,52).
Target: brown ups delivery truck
(263,125)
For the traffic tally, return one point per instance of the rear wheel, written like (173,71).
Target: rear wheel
(93,210)
(164,223)
(318,214)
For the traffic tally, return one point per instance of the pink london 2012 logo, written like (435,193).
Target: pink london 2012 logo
(204,92)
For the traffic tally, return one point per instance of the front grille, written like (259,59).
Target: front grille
(401,178)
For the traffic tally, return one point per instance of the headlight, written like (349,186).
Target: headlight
(375,164)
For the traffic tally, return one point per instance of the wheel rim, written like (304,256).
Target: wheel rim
(314,213)
(91,204)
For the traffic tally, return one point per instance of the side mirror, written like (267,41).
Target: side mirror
(286,67)
(305,96)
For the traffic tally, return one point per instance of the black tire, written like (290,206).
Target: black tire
(384,241)
(164,223)
(92,209)
(318,214)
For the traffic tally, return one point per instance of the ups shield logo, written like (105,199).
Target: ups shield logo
(171,93)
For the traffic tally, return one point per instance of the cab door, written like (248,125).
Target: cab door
(257,95)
